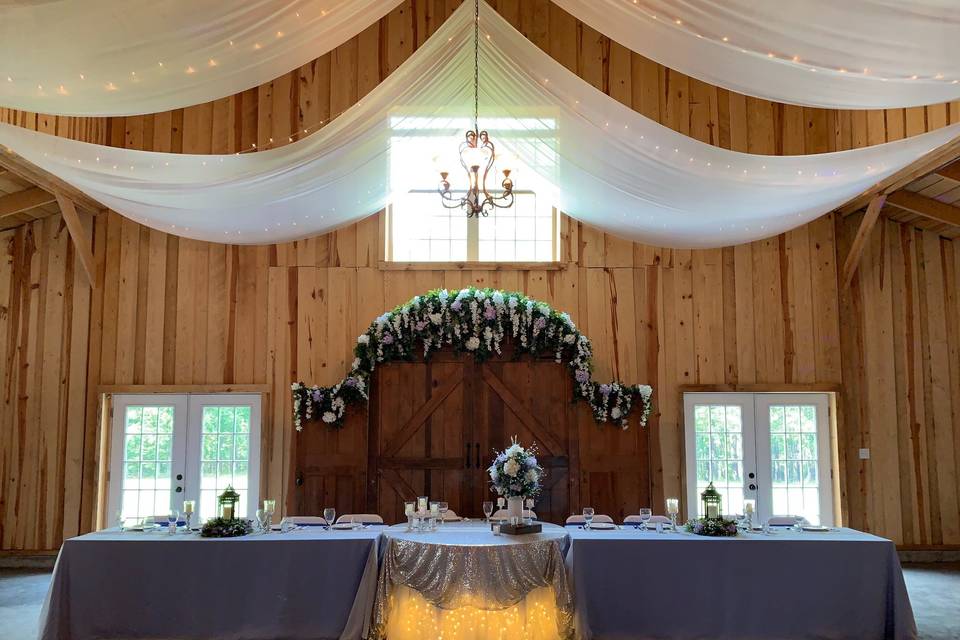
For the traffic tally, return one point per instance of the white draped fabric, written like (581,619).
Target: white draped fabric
(599,161)
(847,54)
(103,57)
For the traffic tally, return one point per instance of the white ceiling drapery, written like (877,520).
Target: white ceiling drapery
(609,166)
(852,54)
(108,58)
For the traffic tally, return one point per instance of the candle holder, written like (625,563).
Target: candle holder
(187,518)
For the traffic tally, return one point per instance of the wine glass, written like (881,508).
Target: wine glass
(172,518)
(330,514)
(528,514)
(118,516)
(488,509)
(645,515)
(587,517)
(443,513)
(262,520)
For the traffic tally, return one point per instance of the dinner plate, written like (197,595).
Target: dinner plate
(342,526)
(603,525)
(817,528)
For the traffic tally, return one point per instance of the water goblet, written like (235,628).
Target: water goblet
(172,518)
(330,514)
(488,509)
(645,514)
(444,507)
(587,517)
(528,505)
(261,521)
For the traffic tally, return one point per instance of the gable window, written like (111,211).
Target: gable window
(420,229)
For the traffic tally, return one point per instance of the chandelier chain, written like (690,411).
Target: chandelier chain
(476,65)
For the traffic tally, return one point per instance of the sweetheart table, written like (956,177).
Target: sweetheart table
(308,583)
(841,584)
(461,582)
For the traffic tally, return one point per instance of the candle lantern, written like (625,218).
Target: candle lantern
(228,501)
(711,502)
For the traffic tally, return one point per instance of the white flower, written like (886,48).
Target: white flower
(511,468)
(356,363)
(497,298)
(480,295)
(295,386)
(532,476)
(329,417)
(473,343)
(645,391)
(569,338)
(435,318)
(615,413)
(513,449)
(363,339)
(493,474)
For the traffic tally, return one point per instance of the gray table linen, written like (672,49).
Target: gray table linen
(308,584)
(838,585)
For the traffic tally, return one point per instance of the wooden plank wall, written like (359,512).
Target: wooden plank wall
(171,310)
(901,358)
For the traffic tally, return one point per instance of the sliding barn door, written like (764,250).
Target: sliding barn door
(529,399)
(421,434)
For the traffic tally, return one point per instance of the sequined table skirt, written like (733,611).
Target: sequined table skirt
(464,583)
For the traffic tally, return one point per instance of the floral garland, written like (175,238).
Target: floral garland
(712,527)
(226,528)
(472,321)
(515,472)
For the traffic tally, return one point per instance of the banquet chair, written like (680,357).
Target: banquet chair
(305,521)
(450,516)
(651,520)
(597,518)
(786,521)
(362,518)
(501,514)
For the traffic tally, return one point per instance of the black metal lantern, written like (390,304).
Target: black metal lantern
(228,503)
(712,503)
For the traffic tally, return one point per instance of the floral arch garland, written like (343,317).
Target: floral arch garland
(473,321)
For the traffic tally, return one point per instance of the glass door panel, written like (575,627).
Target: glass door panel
(794,448)
(146,471)
(720,448)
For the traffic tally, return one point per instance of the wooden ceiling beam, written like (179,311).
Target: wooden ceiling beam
(927,207)
(30,172)
(927,164)
(79,237)
(20,201)
(860,240)
(951,171)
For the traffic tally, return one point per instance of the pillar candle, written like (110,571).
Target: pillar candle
(673,505)
(228,512)
(187,507)
(501,502)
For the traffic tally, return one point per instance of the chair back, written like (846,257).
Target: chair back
(450,516)
(786,521)
(362,518)
(651,520)
(502,514)
(305,521)
(596,518)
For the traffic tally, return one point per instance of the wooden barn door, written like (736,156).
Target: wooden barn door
(421,434)
(529,399)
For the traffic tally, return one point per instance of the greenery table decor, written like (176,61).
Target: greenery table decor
(226,528)
(712,527)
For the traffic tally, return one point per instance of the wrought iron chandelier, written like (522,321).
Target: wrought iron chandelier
(477,154)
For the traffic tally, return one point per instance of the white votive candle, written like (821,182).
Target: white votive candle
(673,506)
(501,502)
(422,504)
(748,507)
(187,507)
(435,509)
(408,509)
(269,506)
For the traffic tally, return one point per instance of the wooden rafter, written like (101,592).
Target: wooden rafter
(30,172)
(79,236)
(860,240)
(926,207)
(951,171)
(20,201)
(927,164)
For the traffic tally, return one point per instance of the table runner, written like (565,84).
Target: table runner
(466,565)
(838,585)
(309,583)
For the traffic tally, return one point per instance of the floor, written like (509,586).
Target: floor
(934,592)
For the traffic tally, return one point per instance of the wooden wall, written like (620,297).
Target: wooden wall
(175,311)
(900,338)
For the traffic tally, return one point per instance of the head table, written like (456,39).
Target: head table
(463,583)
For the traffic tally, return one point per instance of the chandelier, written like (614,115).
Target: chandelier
(477,154)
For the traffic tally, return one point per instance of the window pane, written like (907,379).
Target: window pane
(147,461)
(718,447)
(795,463)
(224,457)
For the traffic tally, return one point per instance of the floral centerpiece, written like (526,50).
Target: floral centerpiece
(515,475)
(475,321)
(712,527)
(226,528)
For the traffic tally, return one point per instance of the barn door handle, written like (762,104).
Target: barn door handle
(299,479)
(467,460)
(478,455)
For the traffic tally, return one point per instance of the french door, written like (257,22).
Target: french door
(770,447)
(167,448)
